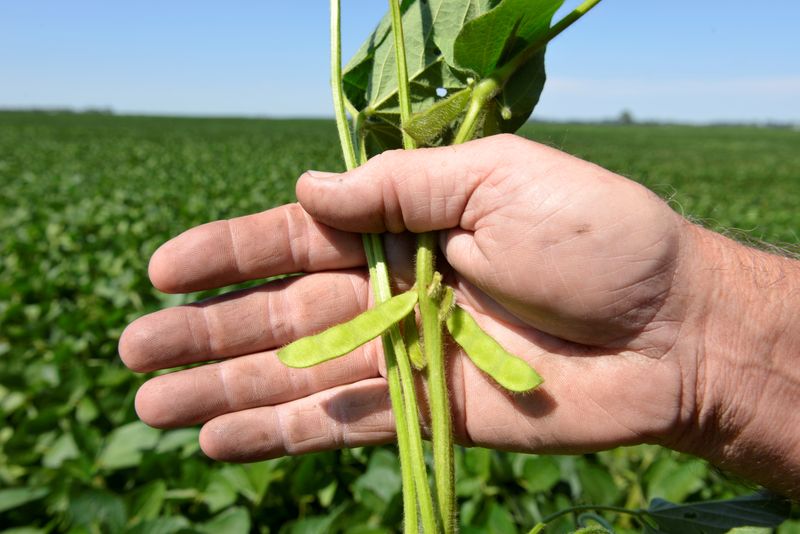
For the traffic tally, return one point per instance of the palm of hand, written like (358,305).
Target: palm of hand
(580,286)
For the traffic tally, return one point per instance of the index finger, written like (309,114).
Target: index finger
(278,241)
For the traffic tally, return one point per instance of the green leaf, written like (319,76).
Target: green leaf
(519,96)
(499,520)
(382,477)
(597,485)
(232,521)
(346,337)
(98,511)
(219,494)
(162,525)
(483,43)
(673,481)
(317,524)
(592,530)
(420,54)
(540,474)
(182,438)
(718,517)
(13,497)
(63,449)
(123,447)
(450,16)
(511,372)
(147,501)
(426,126)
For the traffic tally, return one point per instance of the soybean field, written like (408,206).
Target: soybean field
(85,199)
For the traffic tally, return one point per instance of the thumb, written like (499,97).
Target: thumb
(416,190)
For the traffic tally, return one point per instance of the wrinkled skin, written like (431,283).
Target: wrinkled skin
(573,268)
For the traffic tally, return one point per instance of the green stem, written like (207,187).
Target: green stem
(405,381)
(489,87)
(345,137)
(406,375)
(441,425)
(403,92)
(585,508)
(379,275)
(506,71)
(482,93)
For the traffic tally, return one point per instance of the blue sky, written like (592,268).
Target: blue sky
(684,60)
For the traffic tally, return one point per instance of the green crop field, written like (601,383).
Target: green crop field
(85,200)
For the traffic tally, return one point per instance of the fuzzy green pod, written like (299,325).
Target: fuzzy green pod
(346,337)
(426,126)
(411,338)
(489,356)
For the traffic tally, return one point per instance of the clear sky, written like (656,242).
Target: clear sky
(684,60)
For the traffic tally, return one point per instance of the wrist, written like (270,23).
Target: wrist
(747,361)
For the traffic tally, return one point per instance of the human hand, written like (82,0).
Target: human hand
(586,275)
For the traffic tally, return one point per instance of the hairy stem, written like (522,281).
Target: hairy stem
(405,381)
(379,276)
(403,91)
(345,138)
(439,399)
(407,378)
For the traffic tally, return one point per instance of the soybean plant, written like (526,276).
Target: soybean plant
(433,73)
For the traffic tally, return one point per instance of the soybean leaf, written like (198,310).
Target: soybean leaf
(426,126)
(319,524)
(356,74)
(718,517)
(500,520)
(62,449)
(597,484)
(184,439)
(147,501)
(489,356)
(382,477)
(539,473)
(450,16)
(382,136)
(496,35)
(124,446)
(161,525)
(346,337)
(592,530)
(98,511)
(673,481)
(520,95)
(13,497)
(418,33)
(233,521)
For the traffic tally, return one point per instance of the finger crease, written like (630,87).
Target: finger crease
(234,247)
(288,447)
(226,394)
(297,238)
(209,338)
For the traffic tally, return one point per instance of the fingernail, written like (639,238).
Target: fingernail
(321,174)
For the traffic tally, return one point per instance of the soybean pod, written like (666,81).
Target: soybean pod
(511,372)
(346,337)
